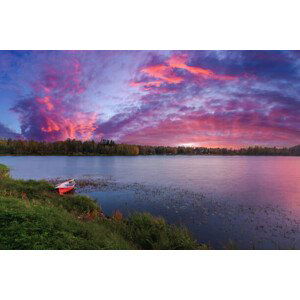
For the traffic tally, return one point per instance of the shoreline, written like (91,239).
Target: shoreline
(34,216)
(211,221)
(151,155)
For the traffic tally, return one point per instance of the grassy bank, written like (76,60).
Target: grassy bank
(34,216)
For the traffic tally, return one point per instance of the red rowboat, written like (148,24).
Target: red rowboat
(66,186)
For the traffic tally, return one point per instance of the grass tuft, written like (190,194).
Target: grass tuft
(149,232)
(4,171)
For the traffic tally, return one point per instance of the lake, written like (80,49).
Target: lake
(253,201)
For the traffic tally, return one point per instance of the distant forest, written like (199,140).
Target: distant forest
(109,147)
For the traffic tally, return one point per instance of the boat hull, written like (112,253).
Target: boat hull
(65,190)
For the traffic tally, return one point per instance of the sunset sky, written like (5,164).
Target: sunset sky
(192,98)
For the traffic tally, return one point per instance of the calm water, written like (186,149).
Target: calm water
(240,184)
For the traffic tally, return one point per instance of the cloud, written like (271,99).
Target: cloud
(180,62)
(6,133)
(55,110)
(157,97)
(218,129)
(167,73)
(202,110)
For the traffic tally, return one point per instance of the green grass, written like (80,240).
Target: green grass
(149,232)
(34,216)
(4,171)
(43,227)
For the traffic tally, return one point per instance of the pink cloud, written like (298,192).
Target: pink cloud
(166,73)
(55,113)
(215,130)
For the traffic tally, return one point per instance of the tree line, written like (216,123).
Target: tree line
(109,147)
(68,147)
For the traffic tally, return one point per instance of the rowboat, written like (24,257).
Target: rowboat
(66,186)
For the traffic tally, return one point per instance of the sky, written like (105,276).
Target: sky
(191,98)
